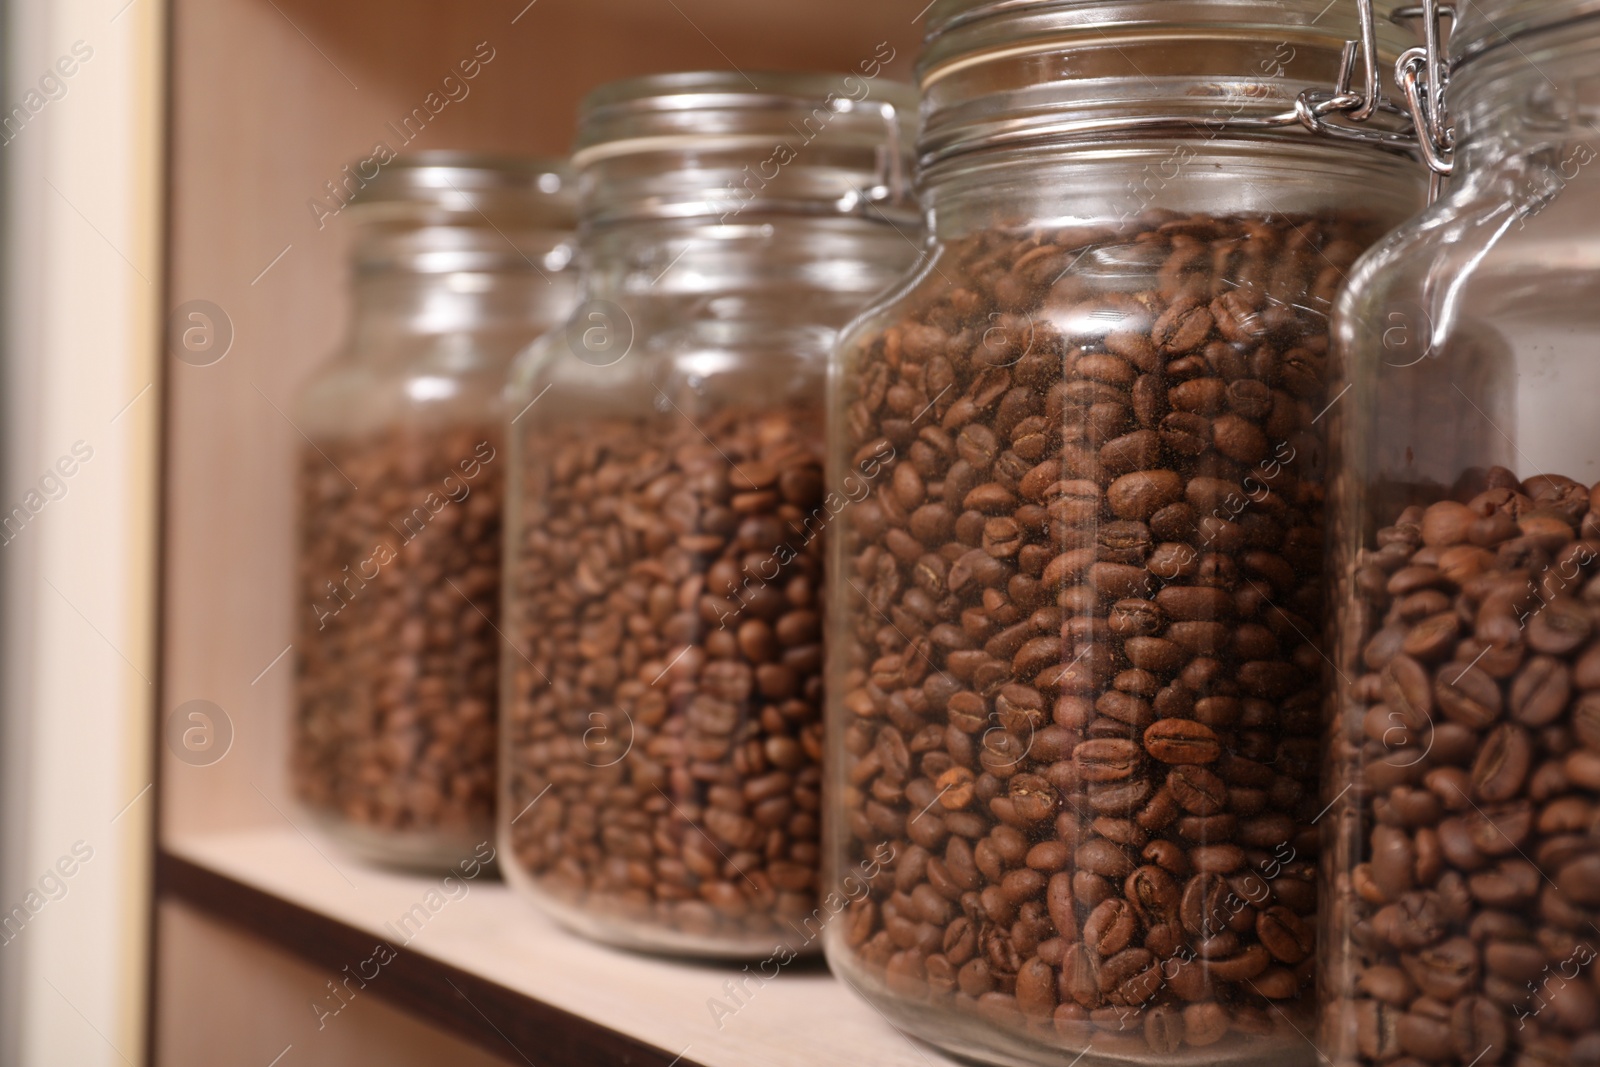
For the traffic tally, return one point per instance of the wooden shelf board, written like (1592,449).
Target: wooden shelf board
(493,969)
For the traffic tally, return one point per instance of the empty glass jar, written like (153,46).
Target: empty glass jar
(459,261)
(1075,683)
(1463,888)
(667,513)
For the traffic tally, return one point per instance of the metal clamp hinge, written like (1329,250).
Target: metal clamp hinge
(1354,104)
(1423,74)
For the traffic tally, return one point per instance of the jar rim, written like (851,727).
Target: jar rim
(467,183)
(715,144)
(700,89)
(650,112)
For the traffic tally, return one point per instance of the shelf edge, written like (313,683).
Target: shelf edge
(481,1012)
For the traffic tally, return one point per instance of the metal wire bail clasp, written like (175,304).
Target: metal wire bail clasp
(1354,103)
(1423,74)
(1370,89)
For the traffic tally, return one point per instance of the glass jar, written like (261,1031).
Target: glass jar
(1074,682)
(459,261)
(661,785)
(1463,881)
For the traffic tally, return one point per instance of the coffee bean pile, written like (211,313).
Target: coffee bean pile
(665,726)
(397,657)
(1080,693)
(1472,749)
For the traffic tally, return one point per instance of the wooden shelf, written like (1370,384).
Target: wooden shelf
(268,100)
(491,969)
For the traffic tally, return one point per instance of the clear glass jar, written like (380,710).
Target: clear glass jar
(662,735)
(459,261)
(1463,880)
(1074,683)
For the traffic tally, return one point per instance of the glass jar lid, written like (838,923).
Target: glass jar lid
(442,211)
(726,145)
(1020,72)
(1482,25)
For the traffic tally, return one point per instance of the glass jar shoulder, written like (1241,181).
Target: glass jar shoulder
(921,285)
(1513,238)
(417,382)
(1464,338)
(609,359)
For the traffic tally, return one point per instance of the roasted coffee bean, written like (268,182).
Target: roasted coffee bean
(1111,926)
(1472,919)
(1108,620)
(1394,861)
(1105,759)
(1036,989)
(1164,1029)
(1181,741)
(665,723)
(1102,857)
(1503,763)
(1198,790)
(1285,934)
(395,734)
(1388,984)
(1540,691)
(1468,695)
(1204,1024)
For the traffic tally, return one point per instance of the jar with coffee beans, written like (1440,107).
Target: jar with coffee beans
(1462,885)
(1076,625)
(668,513)
(459,261)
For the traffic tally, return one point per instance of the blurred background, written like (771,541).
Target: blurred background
(173,167)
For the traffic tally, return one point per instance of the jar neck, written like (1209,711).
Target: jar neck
(1126,181)
(770,268)
(1540,96)
(398,303)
